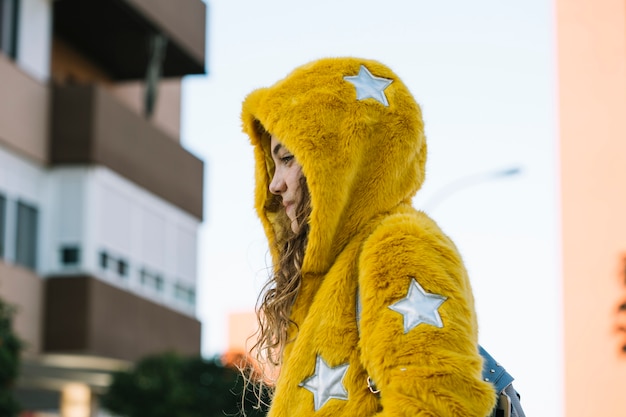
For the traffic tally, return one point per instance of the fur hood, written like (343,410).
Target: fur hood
(338,116)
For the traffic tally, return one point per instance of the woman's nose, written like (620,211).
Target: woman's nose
(277,186)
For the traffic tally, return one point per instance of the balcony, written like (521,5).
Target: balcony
(116,34)
(23,112)
(86,316)
(90,126)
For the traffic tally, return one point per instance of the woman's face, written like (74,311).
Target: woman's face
(286,181)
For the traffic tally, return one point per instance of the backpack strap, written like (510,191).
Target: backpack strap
(508,399)
(494,372)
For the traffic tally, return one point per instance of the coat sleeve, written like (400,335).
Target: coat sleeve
(418,327)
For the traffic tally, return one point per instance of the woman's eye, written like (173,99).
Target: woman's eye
(286,159)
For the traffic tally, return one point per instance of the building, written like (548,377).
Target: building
(100,204)
(591,68)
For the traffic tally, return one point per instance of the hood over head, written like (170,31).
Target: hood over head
(358,134)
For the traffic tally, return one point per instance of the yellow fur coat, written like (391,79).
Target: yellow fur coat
(384,292)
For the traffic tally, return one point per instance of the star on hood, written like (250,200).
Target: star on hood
(326,383)
(419,307)
(369,86)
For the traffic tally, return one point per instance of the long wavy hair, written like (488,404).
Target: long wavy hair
(280,291)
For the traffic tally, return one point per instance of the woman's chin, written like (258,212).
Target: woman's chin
(295,227)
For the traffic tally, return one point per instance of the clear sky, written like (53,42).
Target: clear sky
(484,73)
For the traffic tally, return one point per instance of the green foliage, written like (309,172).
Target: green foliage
(10,349)
(170,385)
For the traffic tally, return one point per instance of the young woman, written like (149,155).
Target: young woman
(369,310)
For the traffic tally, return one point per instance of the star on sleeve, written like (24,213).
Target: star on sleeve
(369,86)
(419,307)
(326,383)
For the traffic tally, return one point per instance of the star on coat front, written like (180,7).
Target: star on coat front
(326,383)
(419,307)
(369,86)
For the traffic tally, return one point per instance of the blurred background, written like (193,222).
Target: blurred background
(130,255)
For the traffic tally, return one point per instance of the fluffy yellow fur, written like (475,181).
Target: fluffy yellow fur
(364,162)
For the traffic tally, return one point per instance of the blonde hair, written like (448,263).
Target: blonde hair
(280,291)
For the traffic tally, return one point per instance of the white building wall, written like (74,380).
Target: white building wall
(95,210)
(35,37)
(152,239)
(66,198)
(20,180)
(19,177)
(187,242)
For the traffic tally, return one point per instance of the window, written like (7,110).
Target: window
(26,239)
(8,26)
(152,280)
(113,263)
(70,255)
(122,267)
(104,260)
(3,215)
(184,293)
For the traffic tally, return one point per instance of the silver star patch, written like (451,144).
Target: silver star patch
(369,86)
(326,383)
(419,307)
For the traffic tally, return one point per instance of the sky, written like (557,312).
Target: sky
(484,75)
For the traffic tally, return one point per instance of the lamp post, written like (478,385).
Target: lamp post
(467,181)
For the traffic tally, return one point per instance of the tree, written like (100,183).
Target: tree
(10,349)
(171,385)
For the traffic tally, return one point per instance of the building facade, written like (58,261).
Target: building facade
(100,204)
(591,68)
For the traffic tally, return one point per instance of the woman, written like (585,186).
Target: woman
(369,311)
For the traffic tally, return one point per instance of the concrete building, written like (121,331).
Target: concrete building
(591,65)
(100,204)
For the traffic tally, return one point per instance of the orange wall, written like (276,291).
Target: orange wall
(70,66)
(241,329)
(591,45)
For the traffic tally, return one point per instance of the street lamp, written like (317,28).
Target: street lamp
(467,181)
